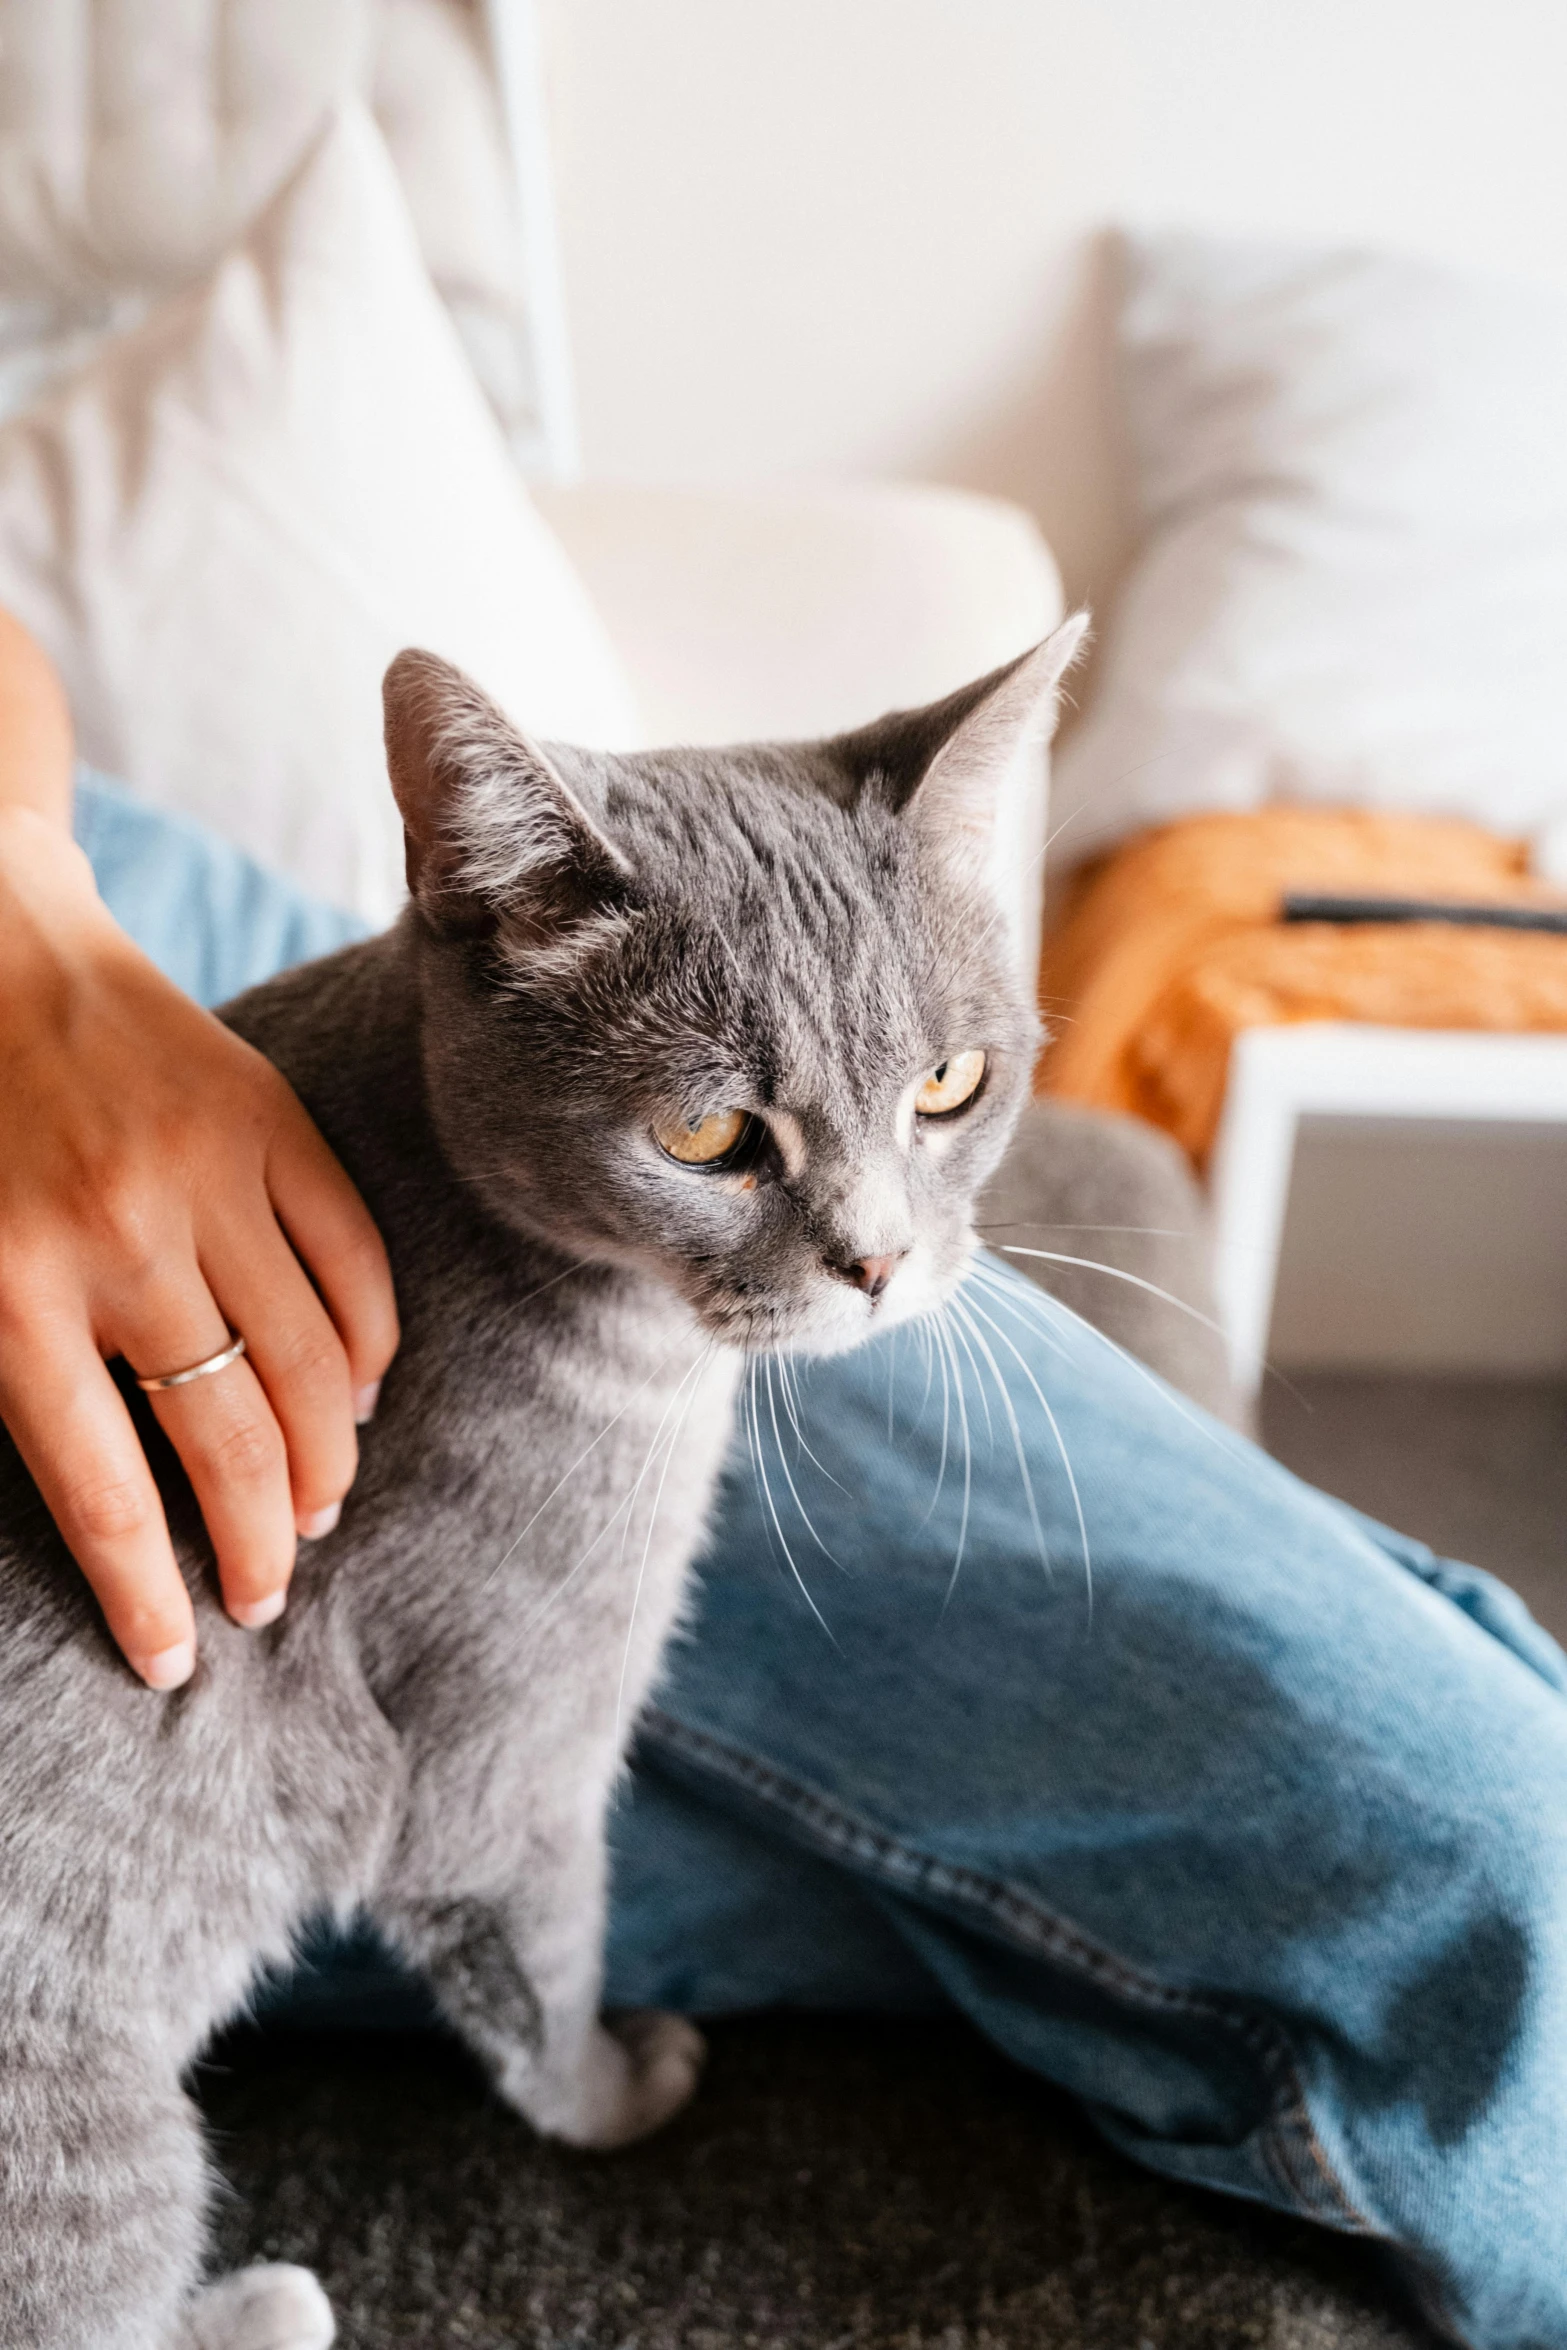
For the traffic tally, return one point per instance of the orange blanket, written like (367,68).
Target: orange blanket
(1173,944)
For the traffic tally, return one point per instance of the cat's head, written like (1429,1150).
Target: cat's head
(751,1020)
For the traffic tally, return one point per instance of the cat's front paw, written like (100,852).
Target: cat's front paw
(645,2065)
(274,2307)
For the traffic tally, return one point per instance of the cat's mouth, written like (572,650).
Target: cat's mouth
(831,1316)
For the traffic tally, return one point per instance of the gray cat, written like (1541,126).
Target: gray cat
(672,1057)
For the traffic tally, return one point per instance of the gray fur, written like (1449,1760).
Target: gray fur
(432,1731)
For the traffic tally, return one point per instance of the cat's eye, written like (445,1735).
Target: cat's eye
(951,1085)
(710,1140)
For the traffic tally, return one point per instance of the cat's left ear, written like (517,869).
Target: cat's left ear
(490,825)
(946,766)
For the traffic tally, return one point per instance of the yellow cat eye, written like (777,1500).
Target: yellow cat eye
(712,1137)
(951,1084)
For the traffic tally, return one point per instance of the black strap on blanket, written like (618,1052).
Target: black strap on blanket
(1302,905)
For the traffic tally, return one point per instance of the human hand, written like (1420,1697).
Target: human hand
(160,1187)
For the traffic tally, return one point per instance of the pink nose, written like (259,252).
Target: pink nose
(871,1274)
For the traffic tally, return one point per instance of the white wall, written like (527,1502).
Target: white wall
(845,236)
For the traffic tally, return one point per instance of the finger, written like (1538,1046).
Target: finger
(333,1231)
(224,1431)
(299,1359)
(72,1429)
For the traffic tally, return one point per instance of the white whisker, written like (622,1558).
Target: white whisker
(927,1349)
(1028,1297)
(961,1309)
(805,1517)
(670,1450)
(1052,1256)
(968,1458)
(747,1415)
(1043,1303)
(772,1510)
(791,1414)
(1060,1443)
(627,1502)
(996,1284)
(537,1614)
(1033,1224)
(990,1426)
(788,1373)
(575,1466)
(1040,855)
(938,1354)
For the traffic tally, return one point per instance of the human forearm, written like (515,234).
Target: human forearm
(37,748)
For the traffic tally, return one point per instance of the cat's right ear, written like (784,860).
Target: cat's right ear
(489,825)
(945,767)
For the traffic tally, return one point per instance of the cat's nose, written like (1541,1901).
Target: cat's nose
(871,1274)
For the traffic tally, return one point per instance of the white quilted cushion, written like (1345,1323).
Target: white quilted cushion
(224,528)
(139,139)
(1352,472)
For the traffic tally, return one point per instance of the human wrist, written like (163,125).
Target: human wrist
(49,902)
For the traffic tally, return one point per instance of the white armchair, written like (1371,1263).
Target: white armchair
(793,612)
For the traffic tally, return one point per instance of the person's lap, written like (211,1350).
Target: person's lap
(1235,1815)
(1254,1851)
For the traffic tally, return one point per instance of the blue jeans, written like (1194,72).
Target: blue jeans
(1239,1816)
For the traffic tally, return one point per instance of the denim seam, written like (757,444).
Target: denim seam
(1029,1925)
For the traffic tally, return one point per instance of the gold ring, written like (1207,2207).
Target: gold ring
(203,1370)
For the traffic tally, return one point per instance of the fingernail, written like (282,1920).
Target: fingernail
(365,1401)
(320,1522)
(170,1667)
(260,1611)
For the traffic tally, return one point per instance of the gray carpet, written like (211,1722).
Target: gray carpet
(842,2185)
(837,2186)
(1475,1467)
